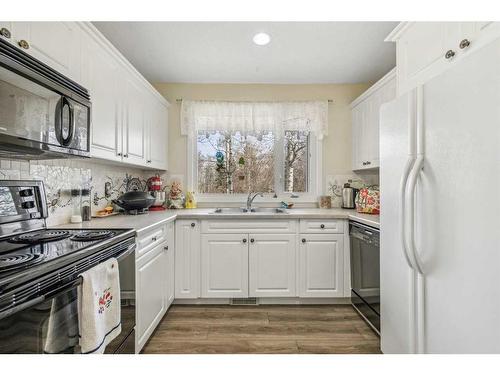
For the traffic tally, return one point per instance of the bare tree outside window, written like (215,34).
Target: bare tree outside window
(236,162)
(296,160)
(233,162)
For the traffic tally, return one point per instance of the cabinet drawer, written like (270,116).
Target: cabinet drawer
(147,241)
(322,226)
(248,226)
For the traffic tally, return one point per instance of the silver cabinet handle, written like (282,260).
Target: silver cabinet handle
(23,44)
(5,32)
(449,54)
(464,43)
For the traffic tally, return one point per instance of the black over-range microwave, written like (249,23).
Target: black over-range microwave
(43,114)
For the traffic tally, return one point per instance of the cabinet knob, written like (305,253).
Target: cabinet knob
(119,154)
(303,240)
(464,43)
(23,44)
(449,54)
(252,240)
(125,155)
(368,162)
(5,33)
(244,240)
(165,248)
(193,225)
(322,226)
(153,238)
(148,161)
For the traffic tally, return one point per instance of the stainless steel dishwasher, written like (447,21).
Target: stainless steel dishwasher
(365,272)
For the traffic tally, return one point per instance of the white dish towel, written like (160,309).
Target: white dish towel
(99,307)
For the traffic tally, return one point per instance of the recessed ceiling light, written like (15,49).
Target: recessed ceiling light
(261,39)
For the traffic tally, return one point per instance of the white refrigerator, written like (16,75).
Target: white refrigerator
(440,212)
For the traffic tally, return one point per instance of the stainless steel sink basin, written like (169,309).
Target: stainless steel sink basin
(242,210)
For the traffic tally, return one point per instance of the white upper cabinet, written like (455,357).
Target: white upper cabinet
(107,115)
(366,122)
(135,122)
(426,49)
(57,44)
(129,117)
(157,138)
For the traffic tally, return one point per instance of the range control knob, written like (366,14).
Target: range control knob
(26,193)
(27,205)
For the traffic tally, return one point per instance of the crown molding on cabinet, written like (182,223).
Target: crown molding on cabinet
(376,86)
(100,38)
(399,30)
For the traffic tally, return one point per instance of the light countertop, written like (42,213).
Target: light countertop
(145,221)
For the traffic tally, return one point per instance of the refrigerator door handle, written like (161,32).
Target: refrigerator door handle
(410,203)
(402,213)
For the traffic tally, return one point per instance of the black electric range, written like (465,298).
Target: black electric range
(40,272)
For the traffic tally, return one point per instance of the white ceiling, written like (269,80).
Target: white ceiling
(223,52)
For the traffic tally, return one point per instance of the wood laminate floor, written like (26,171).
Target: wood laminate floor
(262,329)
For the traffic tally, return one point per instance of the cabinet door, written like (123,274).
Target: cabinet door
(170,272)
(100,77)
(321,265)
(57,44)
(224,265)
(421,52)
(135,122)
(357,136)
(187,259)
(158,135)
(272,266)
(150,279)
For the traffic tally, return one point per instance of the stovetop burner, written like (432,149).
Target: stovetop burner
(92,236)
(41,236)
(13,261)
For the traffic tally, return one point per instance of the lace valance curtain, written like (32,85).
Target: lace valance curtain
(254,116)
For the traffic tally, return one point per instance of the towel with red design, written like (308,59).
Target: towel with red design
(99,307)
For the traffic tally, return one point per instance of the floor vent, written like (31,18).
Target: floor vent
(244,301)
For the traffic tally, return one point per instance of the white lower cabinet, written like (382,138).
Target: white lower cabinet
(151,291)
(224,265)
(272,265)
(321,265)
(253,262)
(170,277)
(187,259)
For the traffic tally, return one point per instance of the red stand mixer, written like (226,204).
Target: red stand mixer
(155,189)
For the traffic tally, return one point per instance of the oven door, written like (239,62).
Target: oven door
(49,324)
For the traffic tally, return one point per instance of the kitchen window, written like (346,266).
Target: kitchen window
(255,148)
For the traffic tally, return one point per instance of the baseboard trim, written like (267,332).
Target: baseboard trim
(268,301)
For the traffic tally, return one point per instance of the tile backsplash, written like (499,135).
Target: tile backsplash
(106,181)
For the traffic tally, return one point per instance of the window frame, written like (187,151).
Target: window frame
(314,175)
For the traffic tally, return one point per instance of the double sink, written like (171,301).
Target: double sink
(243,210)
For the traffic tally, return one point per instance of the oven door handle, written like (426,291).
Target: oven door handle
(126,253)
(40,299)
